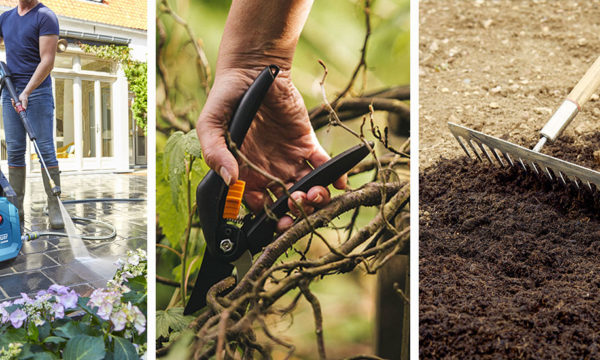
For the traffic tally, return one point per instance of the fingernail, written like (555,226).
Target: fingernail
(225,175)
(318,198)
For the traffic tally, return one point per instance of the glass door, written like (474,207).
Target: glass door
(107,126)
(64,135)
(89,127)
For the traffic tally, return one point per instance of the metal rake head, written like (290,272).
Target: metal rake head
(508,154)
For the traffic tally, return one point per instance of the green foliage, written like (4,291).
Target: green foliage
(84,347)
(124,349)
(136,73)
(171,319)
(179,170)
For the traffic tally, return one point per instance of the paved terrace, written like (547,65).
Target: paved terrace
(49,260)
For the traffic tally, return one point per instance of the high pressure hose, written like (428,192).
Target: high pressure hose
(35,234)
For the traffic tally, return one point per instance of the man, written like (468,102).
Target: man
(30,34)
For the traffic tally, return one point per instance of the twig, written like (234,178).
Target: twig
(318,315)
(362,64)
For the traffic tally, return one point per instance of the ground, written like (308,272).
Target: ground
(501,67)
(508,263)
(49,260)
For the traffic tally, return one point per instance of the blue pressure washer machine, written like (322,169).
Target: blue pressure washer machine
(10,229)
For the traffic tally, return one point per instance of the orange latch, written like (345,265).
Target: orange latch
(233,200)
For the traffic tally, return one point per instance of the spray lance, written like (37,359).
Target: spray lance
(6,82)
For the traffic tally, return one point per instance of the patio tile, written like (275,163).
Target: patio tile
(6,267)
(83,289)
(31,247)
(15,284)
(63,275)
(30,262)
(62,257)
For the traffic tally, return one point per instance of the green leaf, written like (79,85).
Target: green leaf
(45,330)
(135,298)
(83,347)
(54,340)
(124,349)
(180,148)
(70,330)
(137,283)
(173,319)
(170,219)
(82,303)
(12,335)
(32,332)
(42,355)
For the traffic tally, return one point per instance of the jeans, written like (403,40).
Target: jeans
(40,112)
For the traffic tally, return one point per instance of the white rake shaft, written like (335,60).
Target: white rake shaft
(515,155)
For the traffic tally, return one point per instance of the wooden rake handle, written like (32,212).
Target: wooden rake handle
(563,116)
(584,89)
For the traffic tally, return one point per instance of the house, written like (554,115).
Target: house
(94,127)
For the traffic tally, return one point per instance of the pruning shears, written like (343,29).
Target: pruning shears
(229,245)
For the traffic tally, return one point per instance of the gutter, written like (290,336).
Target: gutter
(79,35)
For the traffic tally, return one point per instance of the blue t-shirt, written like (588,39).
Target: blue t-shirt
(21,36)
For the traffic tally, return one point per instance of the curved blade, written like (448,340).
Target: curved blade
(211,272)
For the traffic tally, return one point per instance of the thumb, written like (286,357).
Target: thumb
(212,126)
(215,151)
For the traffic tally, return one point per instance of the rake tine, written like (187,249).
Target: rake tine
(549,174)
(497,157)
(560,174)
(470,142)
(534,167)
(508,159)
(523,164)
(462,146)
(485,152)
(589,186)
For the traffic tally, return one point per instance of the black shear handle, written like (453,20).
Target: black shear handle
(246,110)
(260,231)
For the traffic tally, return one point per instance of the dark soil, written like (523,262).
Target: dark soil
(509,263)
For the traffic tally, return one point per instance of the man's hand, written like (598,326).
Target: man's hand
(23,98)
(280,141)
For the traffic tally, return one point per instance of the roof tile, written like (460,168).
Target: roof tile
(125,13)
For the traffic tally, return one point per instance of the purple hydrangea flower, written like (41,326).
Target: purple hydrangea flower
(17,318)
(58,310)
(5,316)
(59,289)
(68,300)
(119,319)
(104,310)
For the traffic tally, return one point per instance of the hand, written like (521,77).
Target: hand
(23,98)
(280,140)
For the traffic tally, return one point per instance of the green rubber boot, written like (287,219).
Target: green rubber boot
(16,178)
(56,220)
